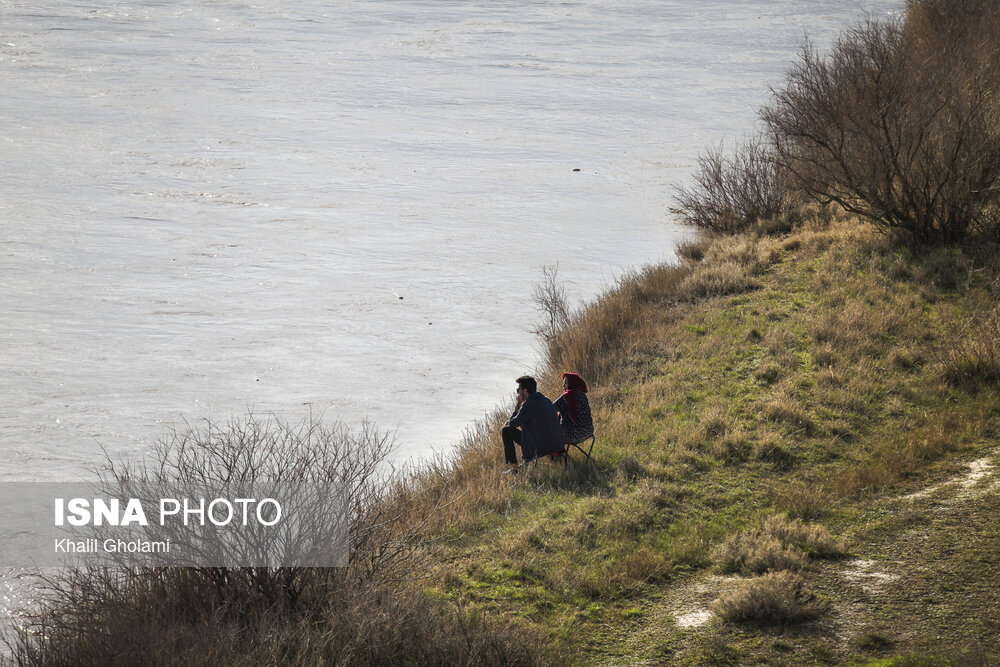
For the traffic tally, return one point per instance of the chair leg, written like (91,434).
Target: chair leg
(587,452)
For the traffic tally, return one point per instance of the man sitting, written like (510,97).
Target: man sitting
(534,425)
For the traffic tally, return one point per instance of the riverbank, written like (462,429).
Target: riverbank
(796,403)
(796,464)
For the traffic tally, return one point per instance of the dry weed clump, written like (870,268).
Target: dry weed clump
(778,544)
(755,253)
(713,422)
(782,348)
(758,553)
(785,409)
(692,250)
(973,359)
(802,501)
(868,478)
(601,334)
(772,449)
(780,342)
(733,447)
(710,280)
(730,266)
(776,598)
(769,372)
(812,538)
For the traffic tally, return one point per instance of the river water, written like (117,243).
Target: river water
(339,206)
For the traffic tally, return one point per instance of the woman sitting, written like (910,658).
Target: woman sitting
(574,410)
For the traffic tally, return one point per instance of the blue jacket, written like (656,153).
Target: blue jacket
(541,433)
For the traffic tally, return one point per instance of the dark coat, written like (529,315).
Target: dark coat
(575,430)
(541,433)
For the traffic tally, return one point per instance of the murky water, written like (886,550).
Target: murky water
(210,206)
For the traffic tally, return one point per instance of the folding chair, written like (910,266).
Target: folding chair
(563,456)
(586,452)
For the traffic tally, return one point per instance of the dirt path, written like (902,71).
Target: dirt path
(931,577)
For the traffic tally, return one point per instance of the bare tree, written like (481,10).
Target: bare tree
(893,131)
(549,297)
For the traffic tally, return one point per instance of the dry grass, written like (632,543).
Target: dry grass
(974,360)
(719,280)
(785,409)
(802,501)
(776,598)
(893,464)
(858,329)
(617,324)
(757,554)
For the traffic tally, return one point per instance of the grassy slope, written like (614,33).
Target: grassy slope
(800,375)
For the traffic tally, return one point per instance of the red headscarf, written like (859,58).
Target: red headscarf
(574,383)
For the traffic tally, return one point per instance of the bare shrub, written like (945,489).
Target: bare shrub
(893,130)
(779,597)
(730,194)
(359,614)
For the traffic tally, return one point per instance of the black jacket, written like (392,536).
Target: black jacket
(541,433)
